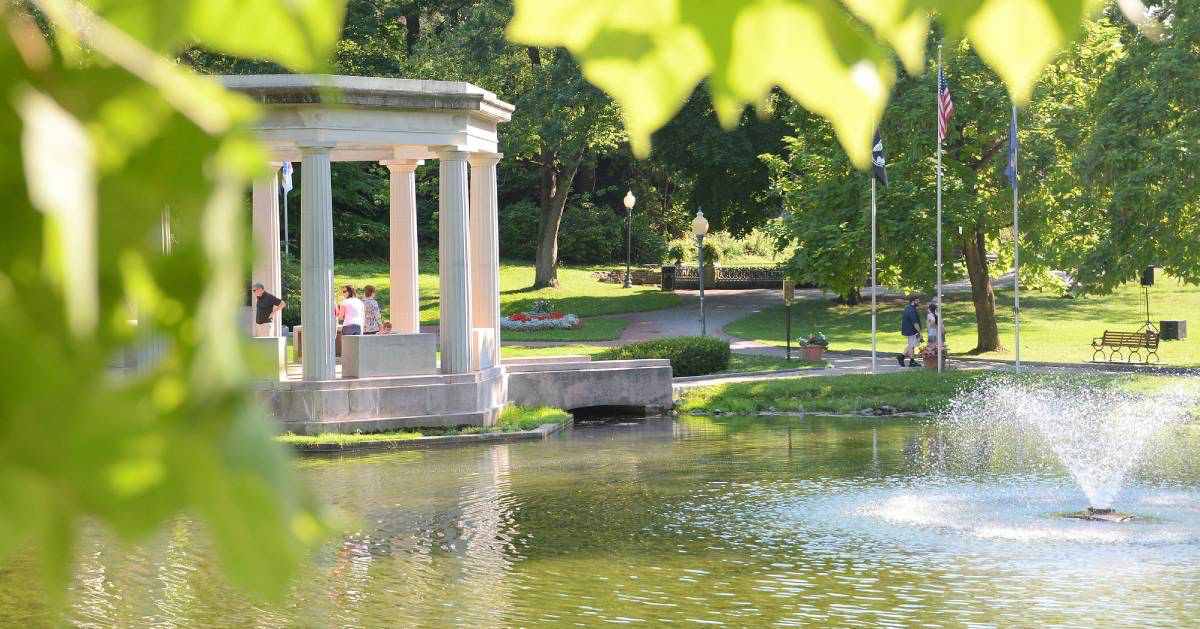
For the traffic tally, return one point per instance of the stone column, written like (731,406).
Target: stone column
(404,293)
(268,267)
(454,262)
(316,263)
(485,251)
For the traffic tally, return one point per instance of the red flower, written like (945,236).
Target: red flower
(520,316)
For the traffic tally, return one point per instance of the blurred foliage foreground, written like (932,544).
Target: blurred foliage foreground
(108,136)
(113,136)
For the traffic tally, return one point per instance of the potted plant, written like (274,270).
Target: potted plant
(929,356)
(814,346)
(677,252)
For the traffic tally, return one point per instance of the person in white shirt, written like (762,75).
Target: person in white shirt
(931,321)
(352,311)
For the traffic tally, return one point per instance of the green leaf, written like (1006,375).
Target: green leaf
(299,34)
(903,27)
(60,170)
(1017,38)
(649,54)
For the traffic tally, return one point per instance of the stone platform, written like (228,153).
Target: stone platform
(309,407)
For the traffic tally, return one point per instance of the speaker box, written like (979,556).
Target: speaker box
(1148,276)
(1172,330)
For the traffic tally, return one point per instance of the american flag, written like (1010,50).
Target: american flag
(945,106)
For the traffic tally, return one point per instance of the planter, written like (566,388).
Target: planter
(814,353)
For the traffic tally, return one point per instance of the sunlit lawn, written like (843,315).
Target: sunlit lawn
(737,362)
(579,293)
(1052,328)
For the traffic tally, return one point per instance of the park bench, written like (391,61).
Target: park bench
(1113,343)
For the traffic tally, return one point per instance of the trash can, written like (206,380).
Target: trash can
(1172,330)
(668,278)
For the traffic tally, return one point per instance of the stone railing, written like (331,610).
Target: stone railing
(723,277)
(637,276)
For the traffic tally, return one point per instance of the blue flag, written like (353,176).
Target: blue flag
(286,181)
(1010,170)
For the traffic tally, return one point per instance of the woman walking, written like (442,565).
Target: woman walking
(931,325)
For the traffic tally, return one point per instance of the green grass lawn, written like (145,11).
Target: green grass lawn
(738,363)
(1052,328)
(579,293)
(593,329)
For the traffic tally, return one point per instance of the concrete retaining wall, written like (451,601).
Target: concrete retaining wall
(379,404)
(575,385)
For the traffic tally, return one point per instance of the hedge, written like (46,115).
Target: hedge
(689,355)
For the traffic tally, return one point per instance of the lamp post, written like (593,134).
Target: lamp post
(700,228)
(629,201)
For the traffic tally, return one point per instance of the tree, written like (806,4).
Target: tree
(560,120)
(718,169)
(828,199)
(1139,201)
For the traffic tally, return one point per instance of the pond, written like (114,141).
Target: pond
(743,522)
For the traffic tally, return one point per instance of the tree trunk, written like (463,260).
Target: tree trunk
(988,336)
(556,187)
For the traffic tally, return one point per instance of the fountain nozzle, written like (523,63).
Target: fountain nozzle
(1097,514)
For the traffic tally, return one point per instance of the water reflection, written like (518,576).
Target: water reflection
(734,521)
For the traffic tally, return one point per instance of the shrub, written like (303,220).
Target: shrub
(290,277)
(689,355)
(518,230)
(358,237)
(677,253)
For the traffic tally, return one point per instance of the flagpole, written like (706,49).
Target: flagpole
(286,247)
(287,187)
(874,285)
(941,308)
(1016,252)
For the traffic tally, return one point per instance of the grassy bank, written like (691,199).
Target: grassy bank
(919,390)
(512,419)
(1052,328)
(914,391)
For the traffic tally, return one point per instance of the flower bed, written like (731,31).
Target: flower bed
(532,321)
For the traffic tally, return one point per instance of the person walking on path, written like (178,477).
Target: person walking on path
(931,325)
(265,307)
(371,319)
(352,311)
(910,327)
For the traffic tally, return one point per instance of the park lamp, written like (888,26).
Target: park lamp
(629,201)
(699,224)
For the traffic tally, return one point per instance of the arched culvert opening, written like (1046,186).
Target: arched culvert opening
(606,413)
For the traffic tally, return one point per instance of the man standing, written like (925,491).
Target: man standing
(266,305)
(910,327)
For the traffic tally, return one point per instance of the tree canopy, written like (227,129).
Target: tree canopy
(829,200)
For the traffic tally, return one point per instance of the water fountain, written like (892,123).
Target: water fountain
(1097,431)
